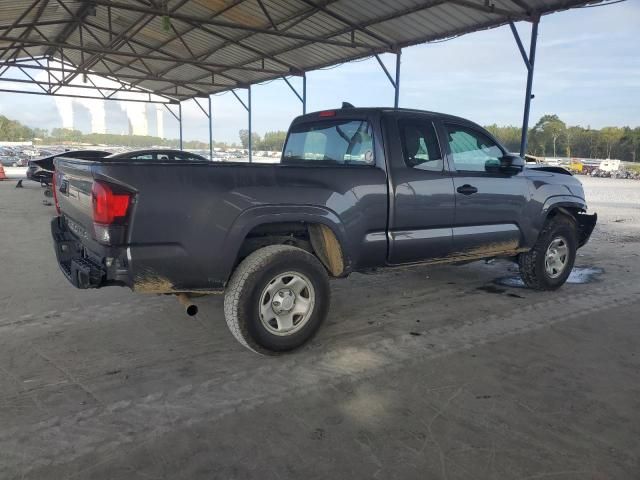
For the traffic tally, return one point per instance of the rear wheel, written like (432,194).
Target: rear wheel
(549,263)
(277,299)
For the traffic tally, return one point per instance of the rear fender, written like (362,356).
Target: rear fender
(262,215)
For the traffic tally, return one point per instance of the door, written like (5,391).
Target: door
(489,202)
(422,203)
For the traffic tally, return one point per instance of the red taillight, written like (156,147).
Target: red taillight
(108,207)
(328,113)
(55,192)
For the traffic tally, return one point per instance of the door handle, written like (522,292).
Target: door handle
(467,189)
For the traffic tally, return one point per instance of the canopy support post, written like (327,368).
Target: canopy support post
(247,107)
(180,122)
(304,93)
(529,62)
(303,97)
(250,129)
(395,82)
(208,114)
(210,129)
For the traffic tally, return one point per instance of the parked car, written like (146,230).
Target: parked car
(355,189)
(158,155)
(41,170)
(9,161)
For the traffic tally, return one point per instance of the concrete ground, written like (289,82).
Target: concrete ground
(432,373)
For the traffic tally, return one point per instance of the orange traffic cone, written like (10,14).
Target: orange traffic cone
(3,176)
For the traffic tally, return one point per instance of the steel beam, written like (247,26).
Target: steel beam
(138,56)
(27,31)
(525,58)
(386,72)
(174,37)
(83,11)
(224,24)
(250,128)
(346,21)
(53,88)
(486,8)
(293,19)
(375,21)
(180,122)
(247,107)
(303,97)
(529,62)
(304,93)
(210,129)
(111,77)
(6,90)
(396,99)
(395,81)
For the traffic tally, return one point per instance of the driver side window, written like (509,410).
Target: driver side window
(471,150)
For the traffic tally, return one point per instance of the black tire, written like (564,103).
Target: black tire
(248,282)
(532,263)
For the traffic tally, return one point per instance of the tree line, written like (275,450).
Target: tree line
(549,137)
(272,141)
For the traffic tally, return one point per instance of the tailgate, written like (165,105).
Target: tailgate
(73,183)
(89,234)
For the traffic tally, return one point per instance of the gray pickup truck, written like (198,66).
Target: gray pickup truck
(355,189)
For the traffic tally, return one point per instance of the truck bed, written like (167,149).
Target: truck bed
(187,220)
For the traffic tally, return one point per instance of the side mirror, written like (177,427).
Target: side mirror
(511,163)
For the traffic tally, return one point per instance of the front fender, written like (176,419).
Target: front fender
(566,201)
(540,211)
(262,215)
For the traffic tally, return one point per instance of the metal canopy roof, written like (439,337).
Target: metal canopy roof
(180,49)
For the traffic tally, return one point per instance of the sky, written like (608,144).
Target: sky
(587,71)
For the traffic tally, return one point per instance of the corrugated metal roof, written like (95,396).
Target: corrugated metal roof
(199,47)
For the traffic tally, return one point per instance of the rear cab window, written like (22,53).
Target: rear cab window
(420,146)
(330,142)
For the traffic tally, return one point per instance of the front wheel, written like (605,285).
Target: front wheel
(277,299)
(549,263)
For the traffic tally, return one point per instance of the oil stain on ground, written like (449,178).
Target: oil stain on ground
(491,289)
(578,275)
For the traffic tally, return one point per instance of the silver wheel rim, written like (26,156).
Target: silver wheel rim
(286,303)
(557,257)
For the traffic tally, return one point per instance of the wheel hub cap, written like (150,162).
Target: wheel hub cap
(557,257)
(286,303)
(283,301)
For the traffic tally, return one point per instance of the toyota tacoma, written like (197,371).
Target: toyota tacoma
(355,189)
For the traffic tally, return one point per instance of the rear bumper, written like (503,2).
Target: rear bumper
(84,268)
(586,224)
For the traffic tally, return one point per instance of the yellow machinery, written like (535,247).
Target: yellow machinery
(576,166)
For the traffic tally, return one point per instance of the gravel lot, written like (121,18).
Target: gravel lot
(423,373)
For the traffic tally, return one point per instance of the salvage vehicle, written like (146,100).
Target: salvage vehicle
(355,189)
(155,154)
(41,170)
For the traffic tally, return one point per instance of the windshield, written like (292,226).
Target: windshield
(333,142)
